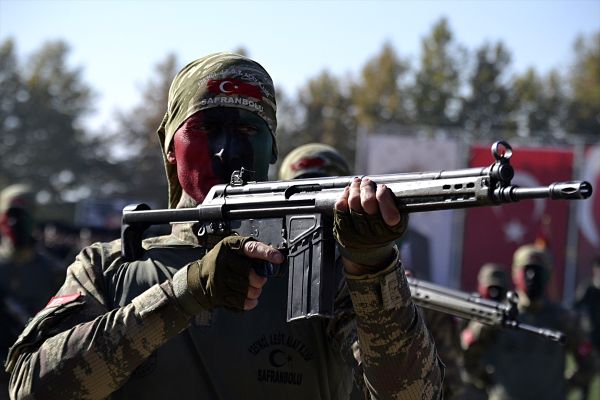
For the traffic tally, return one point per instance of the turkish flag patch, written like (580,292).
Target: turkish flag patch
(60,300)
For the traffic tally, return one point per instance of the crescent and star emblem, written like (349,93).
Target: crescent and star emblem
(278,358)
(222,87)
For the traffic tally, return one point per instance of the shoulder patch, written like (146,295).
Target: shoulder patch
(60,300)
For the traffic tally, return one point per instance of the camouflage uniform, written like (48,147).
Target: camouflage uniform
(116,328)
(119,328)
(524,366)
(445,331)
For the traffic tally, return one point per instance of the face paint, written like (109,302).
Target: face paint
(531,280)
(16,224)
(213,143)
(493,292)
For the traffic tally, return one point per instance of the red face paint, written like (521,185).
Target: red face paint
(519,280)
(194,161)
(17,225)
(212,144)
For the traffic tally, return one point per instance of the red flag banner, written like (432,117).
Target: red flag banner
(492,234)
(588,217)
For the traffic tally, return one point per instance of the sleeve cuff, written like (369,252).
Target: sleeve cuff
(158,302)
(184,297)
(386,289)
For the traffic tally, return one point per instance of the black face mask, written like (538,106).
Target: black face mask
(535,281)
(231,145)
(19,225)
(496,293)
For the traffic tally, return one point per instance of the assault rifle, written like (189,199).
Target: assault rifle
(296,216)
(473,307)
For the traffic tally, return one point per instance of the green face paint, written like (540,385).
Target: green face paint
(262,144)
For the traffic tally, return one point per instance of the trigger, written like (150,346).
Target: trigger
(267,269)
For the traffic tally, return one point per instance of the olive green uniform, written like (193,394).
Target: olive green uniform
(116,329)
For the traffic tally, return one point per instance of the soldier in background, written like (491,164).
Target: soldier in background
(316,160)
(526,366)
(492,284)
(313,160)
(587,303)
(29,275)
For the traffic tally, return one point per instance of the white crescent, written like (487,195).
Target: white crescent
(222,87)
(585,215)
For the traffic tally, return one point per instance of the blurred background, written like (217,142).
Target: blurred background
(396,86)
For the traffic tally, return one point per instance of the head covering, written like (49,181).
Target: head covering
(492,274)
(531,255)
(313,159)
(217,80)
(17,196)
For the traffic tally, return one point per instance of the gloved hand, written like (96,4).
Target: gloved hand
(224,277)
(366,225)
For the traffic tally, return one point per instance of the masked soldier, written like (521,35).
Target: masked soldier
(28,274)
(492,284)
(525,366)
(191,318)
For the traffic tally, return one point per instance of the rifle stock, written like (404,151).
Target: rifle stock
(296,217)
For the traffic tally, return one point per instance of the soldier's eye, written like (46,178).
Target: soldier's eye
(202,127)
(247,129)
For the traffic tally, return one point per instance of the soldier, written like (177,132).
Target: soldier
(313,160)
(28,274)
(492,284)
(192,319)
(525,366)
(587,304)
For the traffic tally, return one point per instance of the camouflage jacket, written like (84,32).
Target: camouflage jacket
(115,330)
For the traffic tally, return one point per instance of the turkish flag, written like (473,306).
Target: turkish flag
(588,217)
(492,234)
(234,87)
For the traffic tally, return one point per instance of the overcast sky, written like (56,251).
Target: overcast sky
(118,43)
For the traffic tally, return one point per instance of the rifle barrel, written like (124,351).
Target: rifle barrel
(573,190)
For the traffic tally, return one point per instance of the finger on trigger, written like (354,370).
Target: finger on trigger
(262,251)
(387,206)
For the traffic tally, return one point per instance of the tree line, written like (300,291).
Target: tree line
(449,90)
